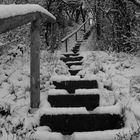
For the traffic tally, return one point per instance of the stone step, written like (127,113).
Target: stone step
(70,63)
(66,59)
(77,46)
(70,123)
(70,54)
(90,101)
(73,72)
(72,85)
(75,50)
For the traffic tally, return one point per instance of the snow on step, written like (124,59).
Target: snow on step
(98,135)
(74,67)
(21,9)
(60,78)
(87,91)
(63,110)
(57,92)
(74,62)
(71,63)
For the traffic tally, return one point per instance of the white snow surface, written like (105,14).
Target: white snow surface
(98,135)
(57,92)
(114,70)
(21,9)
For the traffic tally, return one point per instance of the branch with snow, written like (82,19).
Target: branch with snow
(136,2)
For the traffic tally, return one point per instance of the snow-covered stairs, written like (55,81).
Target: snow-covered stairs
(71,109)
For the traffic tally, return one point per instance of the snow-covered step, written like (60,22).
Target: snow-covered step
(75,50)
(68,54)
(77,45)
(72,85)
(71,63)
(68,121)
(90,101)
(66,59)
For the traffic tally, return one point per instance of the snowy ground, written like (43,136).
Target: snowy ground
(120,72)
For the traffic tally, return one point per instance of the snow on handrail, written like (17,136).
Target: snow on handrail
(13,16)
(11,10)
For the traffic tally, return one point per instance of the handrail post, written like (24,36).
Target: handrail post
(35,64)
(84,27)
(66,41)
(76,36)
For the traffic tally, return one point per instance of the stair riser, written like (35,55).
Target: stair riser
(73,72)
(75,50)
(71,86)
(88,101)
(76,47)
(67,124)
(71,59)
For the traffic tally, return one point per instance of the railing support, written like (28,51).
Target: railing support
(35,64)
(66,41)
(84,28)
(76,36)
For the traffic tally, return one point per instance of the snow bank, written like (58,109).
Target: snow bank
(114,109)
(135,107)
(15,10)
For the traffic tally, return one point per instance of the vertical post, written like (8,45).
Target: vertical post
(66,41)
(84,27)
(35,64)
(76,36)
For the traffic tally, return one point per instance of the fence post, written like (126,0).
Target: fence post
(35,64)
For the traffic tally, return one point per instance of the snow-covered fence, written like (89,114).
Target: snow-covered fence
(13,16)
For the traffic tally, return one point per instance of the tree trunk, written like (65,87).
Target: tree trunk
(98,18)
(121,25)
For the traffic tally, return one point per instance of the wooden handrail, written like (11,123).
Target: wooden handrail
(20,17)
(71,34)
(74,33)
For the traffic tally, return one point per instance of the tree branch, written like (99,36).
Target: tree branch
(136,2)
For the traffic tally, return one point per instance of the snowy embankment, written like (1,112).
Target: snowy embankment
(113,71)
